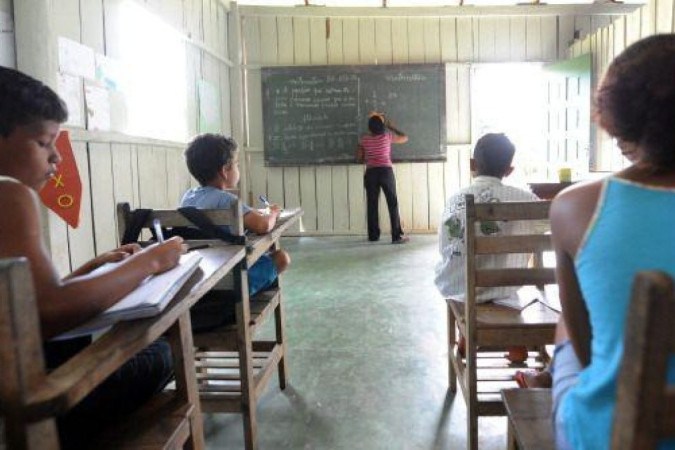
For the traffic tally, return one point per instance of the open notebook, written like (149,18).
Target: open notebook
(148,299)
(529,295)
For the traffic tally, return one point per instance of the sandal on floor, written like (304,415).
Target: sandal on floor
(520,377)
(537,379)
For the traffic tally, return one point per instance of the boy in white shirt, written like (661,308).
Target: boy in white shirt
(492,158)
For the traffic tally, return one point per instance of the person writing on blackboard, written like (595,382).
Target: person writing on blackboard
(375,150)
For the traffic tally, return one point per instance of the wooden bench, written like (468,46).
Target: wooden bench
(644,405)
(233,369)
(530,425)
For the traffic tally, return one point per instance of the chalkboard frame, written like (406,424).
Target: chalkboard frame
(337,70)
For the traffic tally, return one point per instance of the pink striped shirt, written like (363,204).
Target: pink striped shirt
(377,149)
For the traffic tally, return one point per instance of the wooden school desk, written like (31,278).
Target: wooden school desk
(233,381)
(169,419)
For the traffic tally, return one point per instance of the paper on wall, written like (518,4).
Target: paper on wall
(108,72)
(76,59)
(70,90)
(98,107)
(7,51)
(209,108)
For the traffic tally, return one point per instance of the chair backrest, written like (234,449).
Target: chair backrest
(645,407)
(22,366)
(170,218)
(477,244)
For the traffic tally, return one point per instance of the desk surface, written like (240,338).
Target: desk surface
(546,191)
(73,380)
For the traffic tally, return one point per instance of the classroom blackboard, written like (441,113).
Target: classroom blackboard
(315,115)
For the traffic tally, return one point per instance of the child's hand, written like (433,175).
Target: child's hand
(120,253)
(108,257)
(164,256)
(275,209)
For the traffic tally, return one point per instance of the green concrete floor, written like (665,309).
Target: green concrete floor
(366,334)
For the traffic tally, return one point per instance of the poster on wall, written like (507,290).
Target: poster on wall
(76,59)
(7,54)
(70,90)
(209,108)
(97,100)
(108,72)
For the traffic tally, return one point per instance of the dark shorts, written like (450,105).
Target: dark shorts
(262,274)
(127,389)
(217,308)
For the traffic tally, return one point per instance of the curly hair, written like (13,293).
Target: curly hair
(24,100)
(207,154)
(635,101)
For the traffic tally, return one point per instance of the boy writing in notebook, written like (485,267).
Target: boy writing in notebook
(30,118)
(491,162)
(213,160)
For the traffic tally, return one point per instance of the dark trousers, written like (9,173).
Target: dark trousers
(124,391)
(377,178)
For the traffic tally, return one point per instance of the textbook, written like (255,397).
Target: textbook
(147,300)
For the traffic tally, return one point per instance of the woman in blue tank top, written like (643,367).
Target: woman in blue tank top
(606,231)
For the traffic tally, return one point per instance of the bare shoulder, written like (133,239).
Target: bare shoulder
(13,193)
(580,195)
(572,211)
(20,218)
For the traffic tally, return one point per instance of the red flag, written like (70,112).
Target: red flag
(63,193)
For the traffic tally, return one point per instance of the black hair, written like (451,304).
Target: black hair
(376,125)
(207,154)
(493,155)
(25,100)
(635,101)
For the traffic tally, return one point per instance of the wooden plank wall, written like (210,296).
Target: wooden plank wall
(656,16)
(332,196)
(114,167)
(6,8)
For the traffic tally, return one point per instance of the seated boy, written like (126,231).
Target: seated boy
(491,162)
(213,160)
(30,118)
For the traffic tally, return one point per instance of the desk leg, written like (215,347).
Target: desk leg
(281,340)
(180,337)
(245,348)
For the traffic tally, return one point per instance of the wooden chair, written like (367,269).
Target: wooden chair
(644,407)
(233,369)
(487,327)
(30,398)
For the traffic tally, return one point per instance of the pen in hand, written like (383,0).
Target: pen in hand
(263,199)
(158,230)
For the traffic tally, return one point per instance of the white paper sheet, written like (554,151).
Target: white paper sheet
(76,59)
(209,108)
(108,72)
(7,47)
(70,90)
(98,107)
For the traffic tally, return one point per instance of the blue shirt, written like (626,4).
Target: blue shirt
(632,231)
(208,197)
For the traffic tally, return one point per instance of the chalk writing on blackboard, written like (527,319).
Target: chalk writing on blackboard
(315,115)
